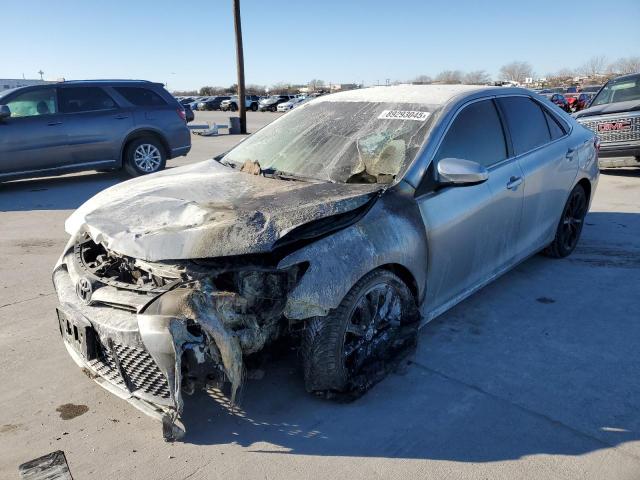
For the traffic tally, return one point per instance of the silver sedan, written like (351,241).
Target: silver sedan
(346,223)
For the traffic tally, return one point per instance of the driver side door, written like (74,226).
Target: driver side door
(472,230)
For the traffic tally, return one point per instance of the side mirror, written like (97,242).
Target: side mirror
(456,171)
(4,112)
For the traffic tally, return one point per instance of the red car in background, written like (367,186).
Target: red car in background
(578,101)
(559,100)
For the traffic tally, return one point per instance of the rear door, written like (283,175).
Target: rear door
(95,123)
(148,106)
(472,230)
(549,165)
(34,136)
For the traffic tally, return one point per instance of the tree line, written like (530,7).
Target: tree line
(597,69)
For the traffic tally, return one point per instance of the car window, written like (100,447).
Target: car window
(33,103)
(555,128)
(527,123)
(476,134)
(84,99)
(619,90)
(141,97)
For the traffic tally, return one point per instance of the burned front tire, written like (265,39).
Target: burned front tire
(570,226)
(352,348)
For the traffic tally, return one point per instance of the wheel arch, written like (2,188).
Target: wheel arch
(391,236)
(586,184)
(140,133)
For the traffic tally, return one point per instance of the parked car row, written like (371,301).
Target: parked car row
(252,102)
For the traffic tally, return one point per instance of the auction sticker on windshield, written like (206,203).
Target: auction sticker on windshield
(403,115)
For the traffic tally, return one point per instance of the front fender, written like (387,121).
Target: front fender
(391,233)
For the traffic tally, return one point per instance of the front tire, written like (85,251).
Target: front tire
(375,320)
(143,156)
(570,226)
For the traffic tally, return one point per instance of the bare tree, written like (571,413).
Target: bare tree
(422,80)
(449,76)
(596,65)
(476,77)
(516,71)
(315,84)
(625,65)
(253,89)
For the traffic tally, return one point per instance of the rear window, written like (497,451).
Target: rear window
(84,99)
(141,97)
(527,123)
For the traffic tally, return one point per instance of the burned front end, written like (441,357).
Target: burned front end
(149,331)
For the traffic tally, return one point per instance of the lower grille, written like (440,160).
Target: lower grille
(143,375)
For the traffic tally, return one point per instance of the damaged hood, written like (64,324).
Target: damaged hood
(207,210)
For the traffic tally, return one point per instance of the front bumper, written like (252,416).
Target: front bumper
(121,362)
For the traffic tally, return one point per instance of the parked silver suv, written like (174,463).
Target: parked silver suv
(89,125)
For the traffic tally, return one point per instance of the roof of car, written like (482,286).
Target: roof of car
(109,81)
(426,94)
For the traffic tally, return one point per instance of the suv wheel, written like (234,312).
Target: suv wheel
(254,107)
(143,156)
(344,351)
(273,108)
(233,107)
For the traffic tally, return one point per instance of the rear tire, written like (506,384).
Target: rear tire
(254,107)
(367,328)
(570,225)
(143,156)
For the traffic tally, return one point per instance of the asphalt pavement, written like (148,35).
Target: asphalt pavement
(535,376)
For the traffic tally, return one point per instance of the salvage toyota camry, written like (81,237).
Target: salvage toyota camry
(345,224)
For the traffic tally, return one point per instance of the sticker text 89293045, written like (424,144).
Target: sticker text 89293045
(403,115)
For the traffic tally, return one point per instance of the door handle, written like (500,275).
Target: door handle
(514,183)
(53,124)
(121,117)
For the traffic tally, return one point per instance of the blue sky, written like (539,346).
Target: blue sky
(187,45)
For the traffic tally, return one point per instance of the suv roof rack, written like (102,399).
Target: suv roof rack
(107,80)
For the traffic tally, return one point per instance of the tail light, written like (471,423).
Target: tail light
(182,114)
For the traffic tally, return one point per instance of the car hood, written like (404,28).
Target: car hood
(607,108)
(207,210)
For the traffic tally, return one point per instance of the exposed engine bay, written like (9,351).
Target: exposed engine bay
(214,312)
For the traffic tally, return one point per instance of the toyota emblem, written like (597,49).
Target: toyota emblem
(84,290)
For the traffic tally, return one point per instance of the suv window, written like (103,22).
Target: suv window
(527,123)
(84,99)
(476,134)
(33,103)
(141,97)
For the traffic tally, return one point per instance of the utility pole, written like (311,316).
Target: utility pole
(242,108)
(41,73)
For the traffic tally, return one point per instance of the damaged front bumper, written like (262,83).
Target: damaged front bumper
(148,343)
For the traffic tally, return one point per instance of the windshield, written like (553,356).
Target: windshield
(619,90)
(346,142)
